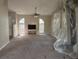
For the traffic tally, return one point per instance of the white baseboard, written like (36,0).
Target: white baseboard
(4,46)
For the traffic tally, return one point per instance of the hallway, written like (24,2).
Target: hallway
(31,47)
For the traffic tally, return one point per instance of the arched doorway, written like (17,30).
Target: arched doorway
(41,26)
(22,26)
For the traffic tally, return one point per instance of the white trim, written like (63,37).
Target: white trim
(4,46)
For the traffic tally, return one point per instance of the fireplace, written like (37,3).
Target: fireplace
(31,28)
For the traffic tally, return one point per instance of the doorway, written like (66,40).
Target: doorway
(22,27)
(41,26)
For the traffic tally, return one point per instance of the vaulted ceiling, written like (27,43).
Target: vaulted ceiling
(27,7)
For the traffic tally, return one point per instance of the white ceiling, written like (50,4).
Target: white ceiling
(26,7)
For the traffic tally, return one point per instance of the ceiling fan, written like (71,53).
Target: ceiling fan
(36,14)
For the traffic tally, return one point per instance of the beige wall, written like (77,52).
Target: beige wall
(47,23)
(32,20)
(4,32)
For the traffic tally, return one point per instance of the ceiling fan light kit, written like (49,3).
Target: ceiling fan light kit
(36,14)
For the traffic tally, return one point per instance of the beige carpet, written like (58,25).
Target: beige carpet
(31,47)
